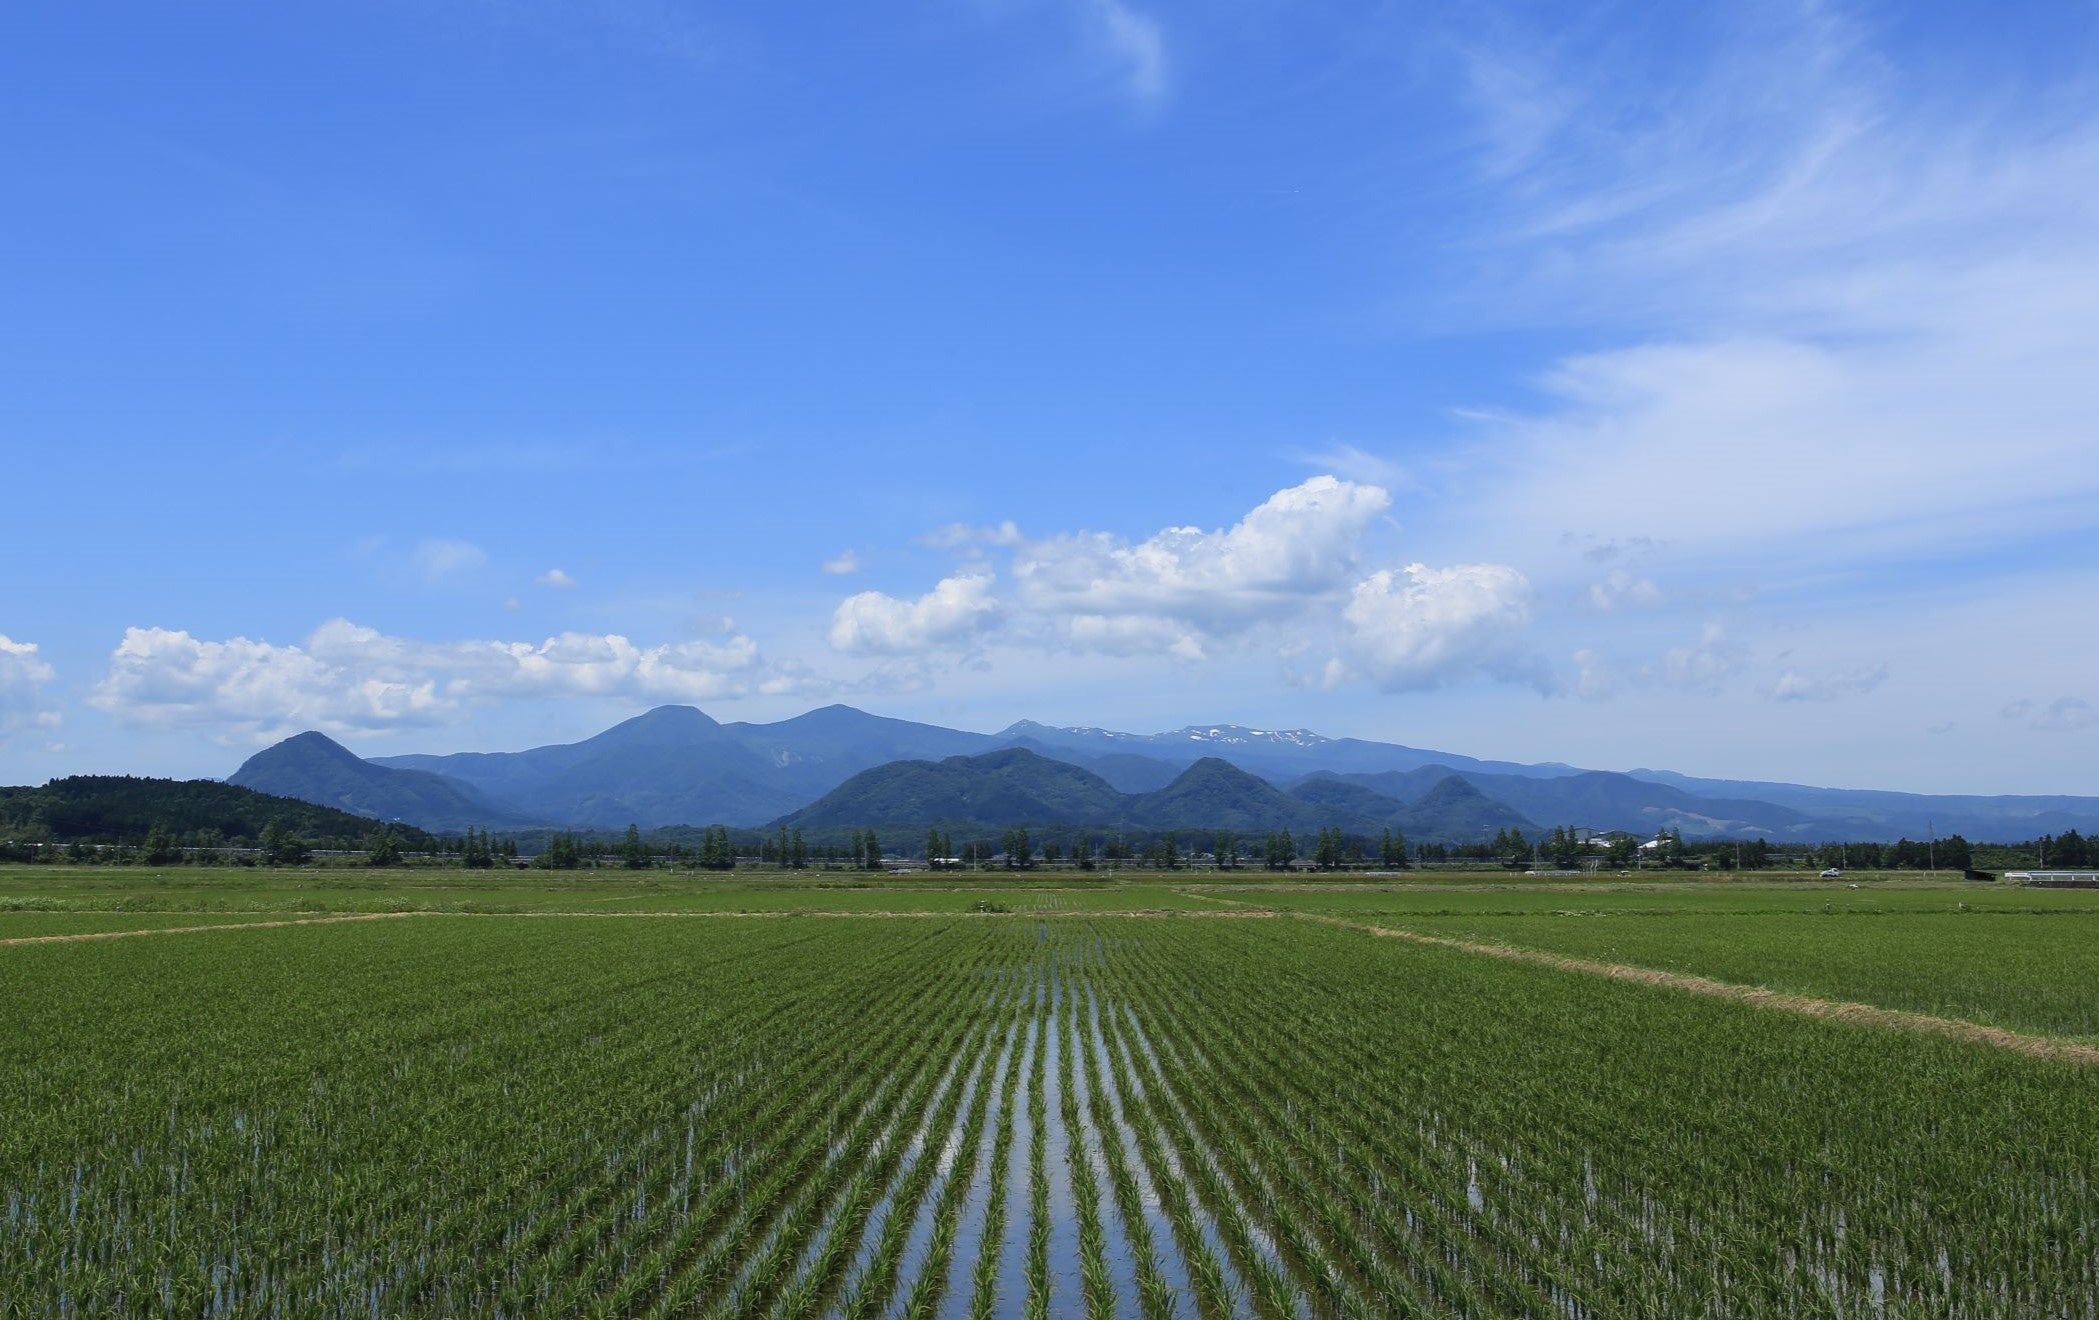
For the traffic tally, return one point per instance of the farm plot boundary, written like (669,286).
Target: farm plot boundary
(770,915)
(78,937)
(1833,1010)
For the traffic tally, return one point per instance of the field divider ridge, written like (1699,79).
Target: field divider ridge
(83,936)
(1781,1001)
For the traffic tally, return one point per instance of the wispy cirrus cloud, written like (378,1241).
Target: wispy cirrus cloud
(1354,463)
(1823,274)
(964,536)
(2062,715)
(1134,45)
(441,559)
(1796,685)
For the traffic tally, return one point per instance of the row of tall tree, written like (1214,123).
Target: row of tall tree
(718,849)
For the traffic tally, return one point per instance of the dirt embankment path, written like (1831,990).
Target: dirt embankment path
(83,936)
(1833,1010)
(1051,914)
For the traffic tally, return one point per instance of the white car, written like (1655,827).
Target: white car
(1833,873)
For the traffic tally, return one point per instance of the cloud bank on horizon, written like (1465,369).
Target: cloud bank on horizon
(1708,390)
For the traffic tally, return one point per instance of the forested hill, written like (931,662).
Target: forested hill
(313,767)
(119,808)
(1014,786)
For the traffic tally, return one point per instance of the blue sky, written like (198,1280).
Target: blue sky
(1697,387)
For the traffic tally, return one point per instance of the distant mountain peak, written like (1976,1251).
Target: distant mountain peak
(673,716)
(664,724)
(312,767)
(1215,767)
(1240,735)
(1223,735)
(1453,788)
(314,741)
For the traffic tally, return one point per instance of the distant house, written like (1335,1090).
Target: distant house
(2055,879)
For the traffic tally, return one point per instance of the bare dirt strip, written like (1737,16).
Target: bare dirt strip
(871,914)
(193,930)
(1833,1010)
(1056,914)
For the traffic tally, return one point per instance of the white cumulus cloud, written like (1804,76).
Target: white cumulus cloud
(1183,582)
(350,679)
(22,678)
(1619,589)
(159,676)
(555,578)
(1420,627)
(954,612)
(1594,680)
(1703,667)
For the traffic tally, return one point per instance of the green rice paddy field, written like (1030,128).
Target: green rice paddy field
(1051,1098)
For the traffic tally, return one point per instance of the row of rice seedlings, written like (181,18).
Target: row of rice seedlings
(1478,1239)
(1217,1291)
(983,1293)
(849,1098)
(1265,1181)
(1679,1238)
(1503,1207)
(1243,1056)
(614,1249)
(1492,1269)
(703,1248)
(878,1256)
(1258,1172)
(251,1231)
(958,1186)
(759,1105)
(417,1236)
(1135,1200)
(842,1185)
(611,1259)
(1255,1046)
(1036,1305)
(1097,1286)
(1249,1242)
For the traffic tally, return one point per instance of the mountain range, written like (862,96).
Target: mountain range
(1015,786)
(676,765)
